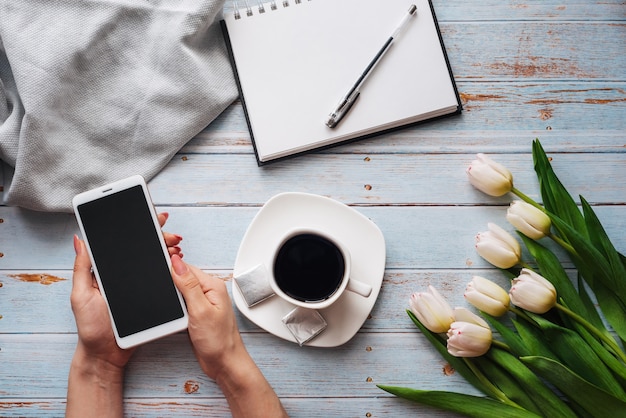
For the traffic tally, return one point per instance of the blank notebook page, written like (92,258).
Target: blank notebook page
(295,63)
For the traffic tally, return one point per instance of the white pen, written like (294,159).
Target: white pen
(346,103)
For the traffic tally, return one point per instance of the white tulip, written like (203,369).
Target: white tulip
(469,335)
(498,247)
(532,292)
(528,219)
(487,296)
(489,177)
(432,310)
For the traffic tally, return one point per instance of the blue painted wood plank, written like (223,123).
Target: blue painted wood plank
(506,10)
(39,365)
(196,406)
(38,302)
(524,70)
(416,237)
(376,179)
(502,115)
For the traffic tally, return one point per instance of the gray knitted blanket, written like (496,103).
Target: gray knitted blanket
(96,90)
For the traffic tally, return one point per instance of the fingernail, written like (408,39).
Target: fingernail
(76,244)
(178,237)
(180,267)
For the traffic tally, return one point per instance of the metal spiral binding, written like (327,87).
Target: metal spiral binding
(260,7)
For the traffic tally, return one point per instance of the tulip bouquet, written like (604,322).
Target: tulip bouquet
(559,345)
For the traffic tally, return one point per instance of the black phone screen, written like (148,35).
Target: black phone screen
(130,261)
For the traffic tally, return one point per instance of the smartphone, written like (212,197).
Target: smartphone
(130,261)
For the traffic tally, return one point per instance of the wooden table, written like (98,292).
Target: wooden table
(531,69)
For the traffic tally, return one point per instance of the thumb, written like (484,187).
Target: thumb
(187,282)
(82,278)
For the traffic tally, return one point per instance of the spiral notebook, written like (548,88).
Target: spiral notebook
(295,59)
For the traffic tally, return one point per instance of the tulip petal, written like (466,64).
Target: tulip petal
(490,289)
(468,340)
(432,310)
(489,177)
(486,304)
(532,292)
(496,255)
(465,315)
(501,234)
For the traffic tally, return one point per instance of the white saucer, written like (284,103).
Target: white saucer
(359,234)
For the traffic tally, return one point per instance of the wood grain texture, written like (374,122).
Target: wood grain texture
(383,406)
(534,69)
(416,236)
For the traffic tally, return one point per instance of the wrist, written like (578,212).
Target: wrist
(247,391)
(95,386)
(237,371)
(96,368)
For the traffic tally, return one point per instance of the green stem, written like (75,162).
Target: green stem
(521,314)
(527,199)
(595,331)
(563,244)
(500,345)
(495,392)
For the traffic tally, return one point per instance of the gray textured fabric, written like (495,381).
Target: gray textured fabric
(96,90)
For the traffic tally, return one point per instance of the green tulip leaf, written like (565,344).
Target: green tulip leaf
(551,268)
(508,386)
(590,306)
(598,273)
(601,240)
(457,363)
(480,372)
(595,401)
(607,357)
(512,339)
(576,354)
(468,405)
(594,259)
(533,338)
(551,404)
(556,198)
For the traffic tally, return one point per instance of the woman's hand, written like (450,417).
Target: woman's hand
(96,379)
(95,333)
(218,345)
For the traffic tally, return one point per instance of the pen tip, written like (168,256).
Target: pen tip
(412,9)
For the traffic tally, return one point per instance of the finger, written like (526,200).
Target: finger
(171,240)
(82,279)
(175,250)
(214,288)
(163,216)
(187,283)
(207,281)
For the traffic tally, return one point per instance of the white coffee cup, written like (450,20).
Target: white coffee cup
(311,268)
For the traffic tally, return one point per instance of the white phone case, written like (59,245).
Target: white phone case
(153,332)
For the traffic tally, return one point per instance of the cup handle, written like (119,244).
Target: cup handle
(359,288)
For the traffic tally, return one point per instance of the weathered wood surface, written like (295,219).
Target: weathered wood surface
(525,70)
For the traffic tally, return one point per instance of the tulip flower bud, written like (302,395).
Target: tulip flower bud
(487,296)
(498,247)
(469,335)
(432,310)
(528,220)
(489,177)
(532,292)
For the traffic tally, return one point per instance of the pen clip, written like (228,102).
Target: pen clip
(344,107)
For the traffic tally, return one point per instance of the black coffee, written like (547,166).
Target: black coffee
(309,268)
